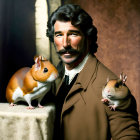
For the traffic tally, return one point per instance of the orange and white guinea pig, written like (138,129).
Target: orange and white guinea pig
(115,93)
(28,83)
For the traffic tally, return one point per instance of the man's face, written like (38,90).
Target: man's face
(69,42)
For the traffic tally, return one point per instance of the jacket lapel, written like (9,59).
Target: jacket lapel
(85,76)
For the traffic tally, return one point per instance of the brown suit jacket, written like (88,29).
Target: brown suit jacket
(85,117)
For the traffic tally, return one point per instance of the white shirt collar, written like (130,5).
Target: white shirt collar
(73,72)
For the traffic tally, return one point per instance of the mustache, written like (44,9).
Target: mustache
(67,50)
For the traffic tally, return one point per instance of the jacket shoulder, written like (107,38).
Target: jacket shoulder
(105,72)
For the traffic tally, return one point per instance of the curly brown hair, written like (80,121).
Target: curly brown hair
(79,18)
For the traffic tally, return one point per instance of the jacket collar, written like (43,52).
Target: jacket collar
(85,76)
(76,70)
(88,72)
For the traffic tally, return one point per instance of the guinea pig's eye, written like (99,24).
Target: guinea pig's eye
(45,70)
(117,85)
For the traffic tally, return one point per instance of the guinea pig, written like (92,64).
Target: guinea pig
(28,83)
(115,93)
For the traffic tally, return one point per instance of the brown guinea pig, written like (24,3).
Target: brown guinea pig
(115,93)
(28,84)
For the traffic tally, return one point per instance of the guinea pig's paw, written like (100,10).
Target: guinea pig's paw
(30,107)
(12,104)
(104,100)
(112,107)
(40,106)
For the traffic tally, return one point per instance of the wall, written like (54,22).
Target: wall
(118,24)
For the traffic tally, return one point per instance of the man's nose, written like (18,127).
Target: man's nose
(66,41)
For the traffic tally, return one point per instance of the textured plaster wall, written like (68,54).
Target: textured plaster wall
(118,24)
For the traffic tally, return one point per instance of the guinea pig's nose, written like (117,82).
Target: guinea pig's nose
(56,75)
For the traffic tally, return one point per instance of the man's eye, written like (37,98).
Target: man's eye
(74,34)
(57,35)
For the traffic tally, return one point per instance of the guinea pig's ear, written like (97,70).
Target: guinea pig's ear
(37,63)
(123,77)
(35,57)
(43,58)
(107,80)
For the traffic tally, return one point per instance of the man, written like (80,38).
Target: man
(80,114)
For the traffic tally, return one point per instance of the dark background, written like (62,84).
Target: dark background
(17,38)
